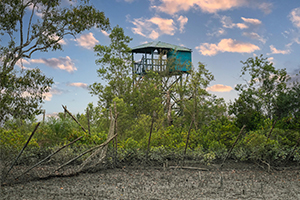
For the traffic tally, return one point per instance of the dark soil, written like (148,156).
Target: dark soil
(233,181)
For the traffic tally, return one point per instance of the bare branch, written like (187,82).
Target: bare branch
(30,20)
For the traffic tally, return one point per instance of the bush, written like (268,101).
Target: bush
(15,140)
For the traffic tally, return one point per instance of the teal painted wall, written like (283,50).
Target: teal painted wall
(179,61)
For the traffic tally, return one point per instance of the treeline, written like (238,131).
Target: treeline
(267,105)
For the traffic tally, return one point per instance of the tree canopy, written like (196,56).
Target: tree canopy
(31,26)
(268,94)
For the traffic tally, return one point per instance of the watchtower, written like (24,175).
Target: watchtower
(171,62)
(161,57)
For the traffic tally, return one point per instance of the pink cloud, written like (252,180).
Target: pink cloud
(241,26)
(295,17)
(219,88)
(182,21)
(105,33)
(165,25)
(154,27)
(254,36)
(87,41)
(60,63)
(20,63)
(227,23)
(212,6)
(226,45)
(276,51)
(53,91)
(82,85)
(251,21)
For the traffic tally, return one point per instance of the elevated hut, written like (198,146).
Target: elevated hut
(171,62)
(161,57)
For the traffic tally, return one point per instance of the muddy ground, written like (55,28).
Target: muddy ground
(233,181)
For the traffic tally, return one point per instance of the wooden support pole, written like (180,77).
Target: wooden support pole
(50,156)
(88,120)
(169,108)
(149,139)
(44,115)
(233,145)
(116,124)
(20,153)
(116,131)
(111,118)
(271,130)
(66,110)
(188,136)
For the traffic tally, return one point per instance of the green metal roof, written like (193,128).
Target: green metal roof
(159,46)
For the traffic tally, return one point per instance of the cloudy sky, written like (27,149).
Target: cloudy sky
(221,33)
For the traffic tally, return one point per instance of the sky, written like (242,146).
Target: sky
(221,34)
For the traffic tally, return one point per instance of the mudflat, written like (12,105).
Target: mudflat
(243,182)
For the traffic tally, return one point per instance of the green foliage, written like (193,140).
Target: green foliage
(43,33)
(140,127)
(39,25)
(15,140)
(147,95)
(265,95)
(115,69)
(197,103)
(129,144)
(22,93)
(206,144)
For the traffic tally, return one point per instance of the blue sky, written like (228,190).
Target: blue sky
(221,33)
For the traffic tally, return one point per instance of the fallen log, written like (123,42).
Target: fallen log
(96,147)
(192,168)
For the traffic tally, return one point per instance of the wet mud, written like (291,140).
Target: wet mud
(231,182)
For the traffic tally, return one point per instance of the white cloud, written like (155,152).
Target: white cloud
(105,33)
(154,27)
(295,17)
(61,41)
(227,22)
(182,21)
(241,26)
(60,63)
(82,85)
(208,49)
(217,33)
(255,36)
(212,6)
(165,25)
(251,21)
(276,51)
(264,6)
(293,35)
(20,63)
(53,91)
(153,35)
(219,88)
(54,114)
(226,45)
(271,59)
(141,26)
(87,41)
